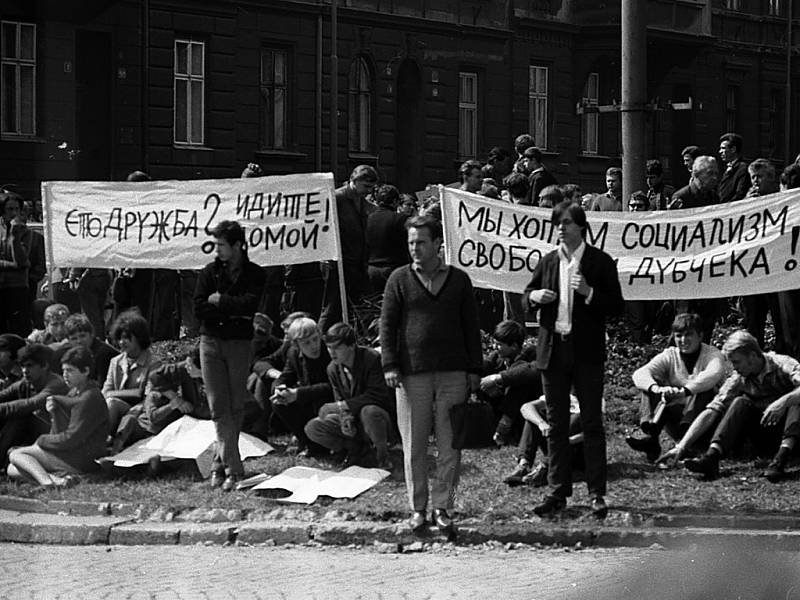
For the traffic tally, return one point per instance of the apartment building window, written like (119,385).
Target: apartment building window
(274,99)
(468,115)
(733,4)
(732,108)
(537,104)
(776,8)
(590,130)
(18,79)
(360,107)
(189,92)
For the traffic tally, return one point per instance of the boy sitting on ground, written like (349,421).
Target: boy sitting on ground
(361,421)
(515,381)
(535,435)
(80,332)
(676,385)
(22,404)
(78,432)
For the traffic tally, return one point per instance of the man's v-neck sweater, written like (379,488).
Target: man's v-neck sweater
(422,332)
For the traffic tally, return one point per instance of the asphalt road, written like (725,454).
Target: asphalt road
(188,572)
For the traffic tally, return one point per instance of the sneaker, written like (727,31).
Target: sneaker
(707,465)
(648,444)
(517,476)
(537,477)
(550,506)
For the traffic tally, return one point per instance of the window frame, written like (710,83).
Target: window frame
(775,8)
(733,5)
(268,113)
(468,107)
(732,108)
(360,107)
(536,98)
(590,121)
(17,63)
(187,79)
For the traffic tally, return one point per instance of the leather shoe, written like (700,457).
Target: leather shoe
(774,472)
(707,465)
(599,507)
(537,477)
(217,478)
(417,521)
(442,520)
(517,475)
(230,482)
(649,445)
(550,506)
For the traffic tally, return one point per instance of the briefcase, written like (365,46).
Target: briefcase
(473,424)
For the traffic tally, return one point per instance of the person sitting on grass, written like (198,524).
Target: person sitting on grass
(268,363)
(22,404)
(168,397)
(80,332)
(303,386)
(10,371)
(361,421)
(534,437)
(127,372)
(78,432)
(515,381)
(676,385)
(760,399)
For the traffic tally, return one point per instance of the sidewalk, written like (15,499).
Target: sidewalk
(85,523)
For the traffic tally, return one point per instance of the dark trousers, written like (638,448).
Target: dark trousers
(20,431)
(356,282)
(586,378)
(15,311)
(532,439)
(93,294)
(678,414)
(743,420)
(754,309)
(295,416)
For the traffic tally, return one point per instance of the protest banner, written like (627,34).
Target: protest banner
(745,247)
(287,219)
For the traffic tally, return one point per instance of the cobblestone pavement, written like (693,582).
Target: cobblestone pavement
(187,572)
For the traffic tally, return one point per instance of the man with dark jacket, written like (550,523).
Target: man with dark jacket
(735,180)
(361,420)
(225,300)
(574,288)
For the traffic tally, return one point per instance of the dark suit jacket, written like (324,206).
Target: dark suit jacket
(538,181)
(734,183)
(588,320)
(368,387)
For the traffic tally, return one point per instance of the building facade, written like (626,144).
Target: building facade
(188,89)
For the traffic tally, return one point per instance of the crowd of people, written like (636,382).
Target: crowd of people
(79,380)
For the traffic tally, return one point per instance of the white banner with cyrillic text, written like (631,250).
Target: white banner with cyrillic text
(745,247)
(287,219)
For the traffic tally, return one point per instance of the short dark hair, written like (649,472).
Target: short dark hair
(11,343)
(574,210)
(653,167)
(638,196)
(78,357)
(791,176)
(551,191)
(386,195)
(6,197)
(78,323)
(164,378)
(497,153)
(523,142)
(509,332)
(534,153)
(734,139)
(230,231)
(131,323)
(434,226)
(687,322)
(517,184)
(467,166)
(364,173)
(340,333)
(693,151)
(39,354)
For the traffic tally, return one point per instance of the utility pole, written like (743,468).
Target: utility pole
(334,92)
(634,95)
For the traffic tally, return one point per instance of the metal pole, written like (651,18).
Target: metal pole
(634,95)
(787,142)
(334,92)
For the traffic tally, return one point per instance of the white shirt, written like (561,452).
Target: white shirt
(567,266)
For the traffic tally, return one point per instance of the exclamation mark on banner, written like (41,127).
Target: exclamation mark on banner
(791,264)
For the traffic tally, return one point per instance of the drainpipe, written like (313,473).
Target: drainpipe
(145,118)
(634,92)
(334,93)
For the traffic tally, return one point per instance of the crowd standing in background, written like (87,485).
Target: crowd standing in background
(79,380)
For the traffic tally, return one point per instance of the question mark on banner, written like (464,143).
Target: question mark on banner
(209,245)
(791,264)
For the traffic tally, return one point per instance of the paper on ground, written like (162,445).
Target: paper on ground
(187,438)
(307,484)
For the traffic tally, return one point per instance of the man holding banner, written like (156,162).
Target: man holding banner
(574,288)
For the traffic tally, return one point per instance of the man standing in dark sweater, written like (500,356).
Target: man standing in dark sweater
(431,354)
